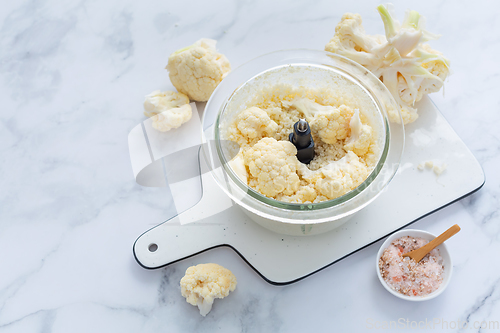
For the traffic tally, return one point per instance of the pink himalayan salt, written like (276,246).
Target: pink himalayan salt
(406,276)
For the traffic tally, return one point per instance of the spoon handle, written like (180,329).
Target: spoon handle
(421,252)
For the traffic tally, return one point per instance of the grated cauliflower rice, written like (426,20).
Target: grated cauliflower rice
(346,143)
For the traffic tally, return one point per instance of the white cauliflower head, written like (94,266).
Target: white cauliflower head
(158,101)
(197,69)
(409,68)
(255,123)
(204,282)
(331,123)
(273,167)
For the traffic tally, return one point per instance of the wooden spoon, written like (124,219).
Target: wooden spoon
(419,253)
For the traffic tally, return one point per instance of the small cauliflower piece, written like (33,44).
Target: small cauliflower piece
(438,170)
(255,123)
(329,122)
(204,282)
(167,109)
(273,166)
(337,178)
(196,70)
(361,136)
(172,118)
(158,101)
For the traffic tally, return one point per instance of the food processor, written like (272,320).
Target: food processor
(308,69)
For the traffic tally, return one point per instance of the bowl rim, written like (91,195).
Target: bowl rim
(443,249)
(299,206)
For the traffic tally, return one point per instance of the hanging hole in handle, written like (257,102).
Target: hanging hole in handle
(152,247)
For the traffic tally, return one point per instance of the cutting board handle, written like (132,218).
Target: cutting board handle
(202,227)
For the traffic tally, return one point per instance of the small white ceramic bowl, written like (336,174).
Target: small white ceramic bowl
(447,264)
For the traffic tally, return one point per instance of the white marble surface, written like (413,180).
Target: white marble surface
(72,80)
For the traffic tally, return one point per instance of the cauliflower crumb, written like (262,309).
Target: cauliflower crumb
(204,282)
(438,170)
(197,69)
(167,109)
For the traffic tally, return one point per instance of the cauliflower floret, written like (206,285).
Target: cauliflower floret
(351,41)
(426,77)
(329,122)
(158,101)
(407,67)
(167,109)
(435,66)
(273,166)
(255,123)
(204,282)
(305,194)
(438,66)
(361,136)
(337,178)
(197,69)
(172,118)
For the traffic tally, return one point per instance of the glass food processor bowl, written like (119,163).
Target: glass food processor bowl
(309,69)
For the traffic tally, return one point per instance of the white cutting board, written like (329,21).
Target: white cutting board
(282,259)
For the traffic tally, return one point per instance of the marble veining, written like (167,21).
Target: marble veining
(73,76)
